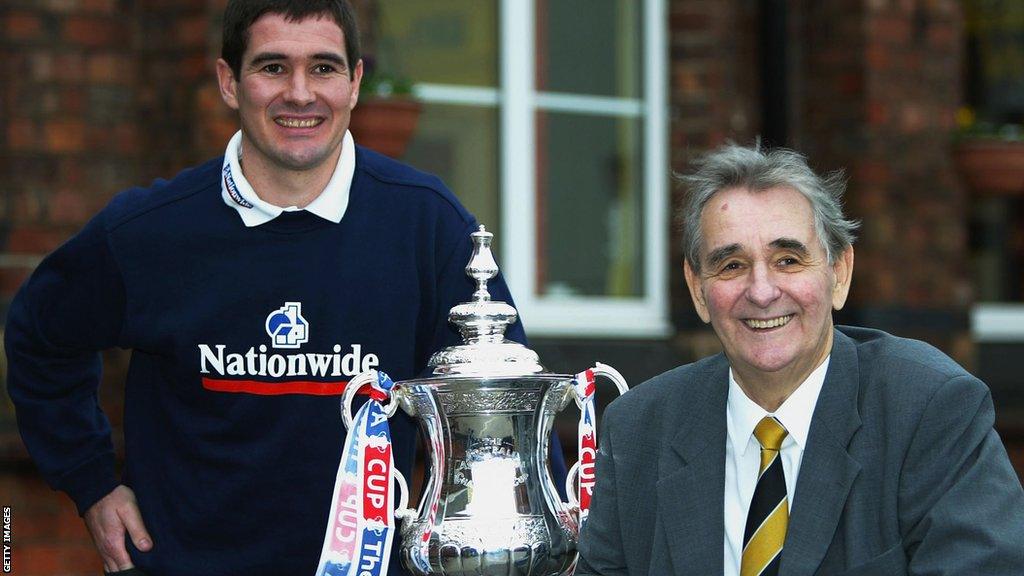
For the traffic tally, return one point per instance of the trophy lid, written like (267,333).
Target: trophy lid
(482,322)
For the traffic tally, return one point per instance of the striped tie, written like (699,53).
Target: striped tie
(769,509)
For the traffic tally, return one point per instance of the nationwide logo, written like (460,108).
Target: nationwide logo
(232,189)
(260,371)
(286,326)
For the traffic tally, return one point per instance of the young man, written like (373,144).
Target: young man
(250,288)
(805,448)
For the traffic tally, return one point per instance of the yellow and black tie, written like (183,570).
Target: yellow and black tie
(769,509)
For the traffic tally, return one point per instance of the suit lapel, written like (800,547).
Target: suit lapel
(826,471)
(690,497)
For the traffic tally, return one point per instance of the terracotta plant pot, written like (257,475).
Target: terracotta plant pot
(385,124)
(991,167)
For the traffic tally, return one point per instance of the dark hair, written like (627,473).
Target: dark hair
(240,14)
(756,169)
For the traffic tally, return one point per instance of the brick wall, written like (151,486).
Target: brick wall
(881,89)
(97,95)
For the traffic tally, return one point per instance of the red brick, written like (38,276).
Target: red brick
(73,101)
(69,67)
(19,26)
(877,56)
(65,136)
(890,29)
(943,35)
(63,6)
(872,172)
(10,280)
(71,173)
(126,139)
(191,32)
(95,32)
(48,101)
(195,68)
(99,6)
(690,20)
(913,118)
(850,83)
(40,66)
(111,69)
(877,114)
(22,135)
(34,240)
(687,80)
(68,206)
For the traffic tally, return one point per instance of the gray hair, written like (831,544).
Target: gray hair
(752,168)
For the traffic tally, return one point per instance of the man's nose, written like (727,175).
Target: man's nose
(763,289)
(298,91)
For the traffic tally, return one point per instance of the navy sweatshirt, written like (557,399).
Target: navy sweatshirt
(241,341)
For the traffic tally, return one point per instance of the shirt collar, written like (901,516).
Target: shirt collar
(795,414)
(239,194)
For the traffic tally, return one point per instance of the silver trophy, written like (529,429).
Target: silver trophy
(489,505)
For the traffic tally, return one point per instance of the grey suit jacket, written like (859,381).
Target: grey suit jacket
(902,472)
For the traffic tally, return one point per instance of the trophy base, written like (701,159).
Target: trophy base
(521,545)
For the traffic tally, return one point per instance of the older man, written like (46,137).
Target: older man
(805,448)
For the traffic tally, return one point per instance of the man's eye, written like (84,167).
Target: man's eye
(788,261)
(731,266)
(323,69)
(273,68)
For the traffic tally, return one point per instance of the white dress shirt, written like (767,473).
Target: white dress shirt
(743,453)
(239,194)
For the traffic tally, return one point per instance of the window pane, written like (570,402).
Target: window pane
(441,41)
(590,231)
(460,144)
(590,47)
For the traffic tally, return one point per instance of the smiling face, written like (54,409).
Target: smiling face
(766,285)
(294,94)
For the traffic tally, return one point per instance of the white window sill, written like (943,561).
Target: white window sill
(998,322)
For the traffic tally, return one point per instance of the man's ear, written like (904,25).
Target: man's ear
(696,292)
(843,269)
(228,84)
(357,81)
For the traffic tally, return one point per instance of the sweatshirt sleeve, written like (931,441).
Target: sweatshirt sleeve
(70,309)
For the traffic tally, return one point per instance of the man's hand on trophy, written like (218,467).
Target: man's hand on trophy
(108,520)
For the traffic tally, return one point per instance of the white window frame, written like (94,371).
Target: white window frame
(638,317)
(997,322)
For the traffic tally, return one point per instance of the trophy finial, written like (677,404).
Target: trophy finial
(482,267)
(482,323)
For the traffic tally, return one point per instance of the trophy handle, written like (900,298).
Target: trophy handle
(611,374)
(354,385)
(583,399)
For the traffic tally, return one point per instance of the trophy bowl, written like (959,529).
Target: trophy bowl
(489,505)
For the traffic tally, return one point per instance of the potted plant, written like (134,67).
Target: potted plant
(990,157)
(385,117)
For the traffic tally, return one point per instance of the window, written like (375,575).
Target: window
(547,118)
(994,98)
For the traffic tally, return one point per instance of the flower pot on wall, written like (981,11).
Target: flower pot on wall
(385,124)
(991,167)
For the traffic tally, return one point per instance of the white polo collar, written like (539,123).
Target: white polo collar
(794,414)
(239,194)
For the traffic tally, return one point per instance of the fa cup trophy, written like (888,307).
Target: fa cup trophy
(489,505)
